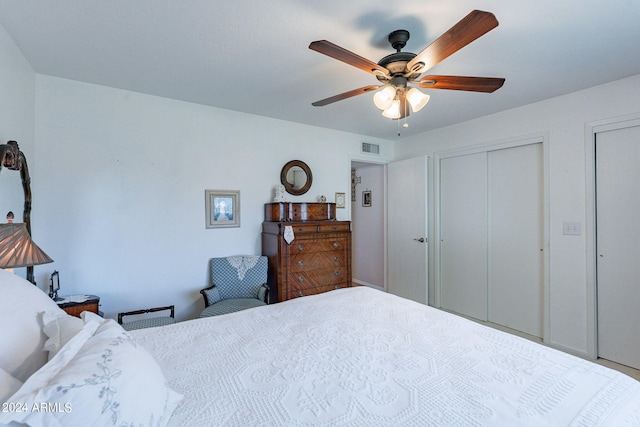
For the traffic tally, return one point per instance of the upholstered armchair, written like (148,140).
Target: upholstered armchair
(237,283)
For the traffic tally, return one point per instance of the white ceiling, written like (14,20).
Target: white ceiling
(252,56)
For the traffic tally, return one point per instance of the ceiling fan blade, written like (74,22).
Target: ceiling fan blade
(471,84)
(327,48)
(469,28)
(344,95)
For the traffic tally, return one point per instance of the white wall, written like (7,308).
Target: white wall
(564,119)
(17,95)
(17,87)
(121,192)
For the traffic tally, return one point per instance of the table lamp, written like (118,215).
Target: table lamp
(17,249)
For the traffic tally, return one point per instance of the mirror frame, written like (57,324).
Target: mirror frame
(13,159)
(287,185)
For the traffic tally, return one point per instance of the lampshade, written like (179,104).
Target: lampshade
(384,97)
(393,112)
(17,249)
(417,99)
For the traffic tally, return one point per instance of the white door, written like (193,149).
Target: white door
(407,228)
(491,234)
(618,244)
(516,224)
(463,235)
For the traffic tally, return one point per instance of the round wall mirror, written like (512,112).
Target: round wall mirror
(296,177)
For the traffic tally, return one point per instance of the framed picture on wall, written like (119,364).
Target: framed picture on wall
(366,198)
(222,208)
(340,200)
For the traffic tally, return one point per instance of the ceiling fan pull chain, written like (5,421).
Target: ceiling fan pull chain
(405,124)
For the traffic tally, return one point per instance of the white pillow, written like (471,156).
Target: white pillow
(21,336)
(100,377)
(8,385)
(60,328)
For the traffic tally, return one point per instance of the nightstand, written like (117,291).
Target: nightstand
(76,304)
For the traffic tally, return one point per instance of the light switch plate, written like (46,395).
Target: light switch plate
(572,228)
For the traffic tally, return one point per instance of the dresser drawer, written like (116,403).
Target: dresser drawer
(335,226)
(304,229)
(306,246)
(316,260)
(314,278)
(316,290)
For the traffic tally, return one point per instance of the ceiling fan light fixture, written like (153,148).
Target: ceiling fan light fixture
(393,112)
(417,99)
(384,97)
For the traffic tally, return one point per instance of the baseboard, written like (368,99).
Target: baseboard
(363,283)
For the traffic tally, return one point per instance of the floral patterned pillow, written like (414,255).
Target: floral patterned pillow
(100,377)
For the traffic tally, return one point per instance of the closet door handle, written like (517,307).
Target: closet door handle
(421,240)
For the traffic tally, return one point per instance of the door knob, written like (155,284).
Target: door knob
(421,240)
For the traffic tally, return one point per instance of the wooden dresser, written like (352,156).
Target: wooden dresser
(318,259)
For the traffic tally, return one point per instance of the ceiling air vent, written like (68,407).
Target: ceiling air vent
(370,148)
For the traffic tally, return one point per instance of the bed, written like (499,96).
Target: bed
(353,357)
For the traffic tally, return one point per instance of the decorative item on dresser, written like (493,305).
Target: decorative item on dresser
(309,251)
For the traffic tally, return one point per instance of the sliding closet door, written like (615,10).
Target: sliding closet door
(618,247)
(515,218)
(463,235)
(492,236)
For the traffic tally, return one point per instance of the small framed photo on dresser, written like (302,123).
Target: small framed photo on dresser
(222,208)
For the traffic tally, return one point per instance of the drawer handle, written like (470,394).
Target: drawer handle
(336,259)
(300,294)
(300,247)
(336,245)
(336,273)
(300,263)
(337,287)
(300,279)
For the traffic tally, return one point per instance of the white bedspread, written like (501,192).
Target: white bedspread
(361,357)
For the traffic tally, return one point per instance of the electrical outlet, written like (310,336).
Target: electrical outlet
(572,228)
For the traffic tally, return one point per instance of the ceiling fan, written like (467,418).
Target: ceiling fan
(398,71)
